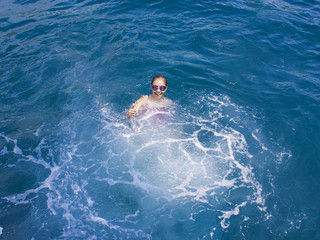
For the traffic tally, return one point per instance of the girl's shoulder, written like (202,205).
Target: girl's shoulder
(141,101)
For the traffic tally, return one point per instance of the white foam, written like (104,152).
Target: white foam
(132,215)
(23,198)
(283,156)
(262,145)
(53,196)
(89,201)
(227,214)
(76,189)
(198,178)
(4,150)
(37,132)
(166,162)
(16,149)
(102,221)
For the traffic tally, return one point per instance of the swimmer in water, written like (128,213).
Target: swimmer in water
(154,101)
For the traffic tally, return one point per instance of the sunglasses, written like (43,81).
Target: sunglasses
(155,88)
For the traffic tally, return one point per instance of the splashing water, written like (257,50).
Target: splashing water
(161,174)
(164,174)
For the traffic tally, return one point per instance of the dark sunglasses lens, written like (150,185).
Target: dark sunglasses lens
(162,88)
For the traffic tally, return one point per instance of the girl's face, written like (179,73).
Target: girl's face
(158,88)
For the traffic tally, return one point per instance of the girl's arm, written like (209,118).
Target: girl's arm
(135,107)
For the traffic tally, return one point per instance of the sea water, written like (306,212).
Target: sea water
(235,157)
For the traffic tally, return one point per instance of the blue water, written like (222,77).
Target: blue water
(237,156)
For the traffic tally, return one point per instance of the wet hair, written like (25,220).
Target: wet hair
(159,76)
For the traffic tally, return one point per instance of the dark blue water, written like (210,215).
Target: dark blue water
(237,157)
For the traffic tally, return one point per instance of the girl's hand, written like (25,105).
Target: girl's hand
(131,112)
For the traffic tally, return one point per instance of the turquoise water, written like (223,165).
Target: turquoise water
(237,157)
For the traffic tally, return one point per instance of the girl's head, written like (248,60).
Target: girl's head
(157,77)
(159,86)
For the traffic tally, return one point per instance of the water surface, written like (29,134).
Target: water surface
(235,158)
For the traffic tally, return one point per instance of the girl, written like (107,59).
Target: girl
(155,101)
